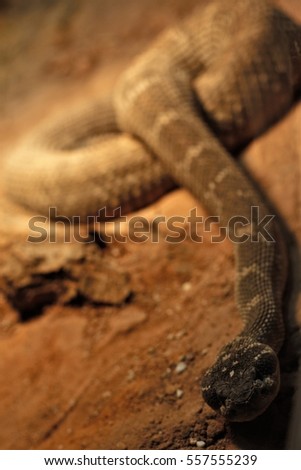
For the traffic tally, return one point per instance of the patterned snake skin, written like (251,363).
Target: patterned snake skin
(205,87)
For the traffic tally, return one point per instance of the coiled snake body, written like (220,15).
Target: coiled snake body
(205,87)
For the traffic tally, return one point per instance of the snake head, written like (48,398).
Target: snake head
(243,381)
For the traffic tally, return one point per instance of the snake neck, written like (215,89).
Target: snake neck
(267,327)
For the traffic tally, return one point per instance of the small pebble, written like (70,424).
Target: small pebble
(179,393)
(157,297)
(200,444)
(130,375)
(170,389)
(151,350)
(180,367)
(115,252)
(180,334)
(186,286)
(169,312)
(167,372)
(121,446)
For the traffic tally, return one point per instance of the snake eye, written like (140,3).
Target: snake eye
(266,365)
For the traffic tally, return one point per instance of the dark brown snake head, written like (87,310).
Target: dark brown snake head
(243,381)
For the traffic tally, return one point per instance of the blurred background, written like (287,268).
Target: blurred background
(122,370)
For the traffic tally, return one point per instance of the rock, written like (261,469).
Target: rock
(186,286)
(127,320)
(105,286)
(180,367)
(200,444)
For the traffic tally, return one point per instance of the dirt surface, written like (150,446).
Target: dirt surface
(102,346)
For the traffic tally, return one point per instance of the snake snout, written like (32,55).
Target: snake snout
(243,381)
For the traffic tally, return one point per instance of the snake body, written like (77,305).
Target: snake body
(205,87)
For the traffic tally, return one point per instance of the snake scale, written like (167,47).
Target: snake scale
(205,87)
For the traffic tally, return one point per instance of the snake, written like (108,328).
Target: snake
(178,113)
